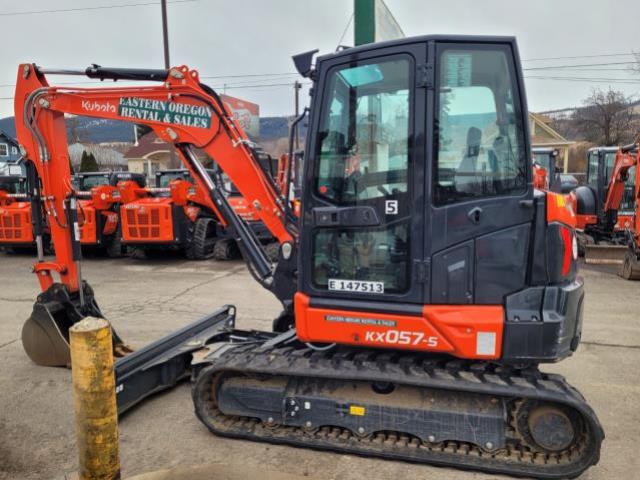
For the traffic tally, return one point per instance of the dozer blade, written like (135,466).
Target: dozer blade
(45,334)
(605,254)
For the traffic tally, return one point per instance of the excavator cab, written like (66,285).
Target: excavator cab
(419,196)
(600,163)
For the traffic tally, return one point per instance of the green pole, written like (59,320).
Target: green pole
(364,22)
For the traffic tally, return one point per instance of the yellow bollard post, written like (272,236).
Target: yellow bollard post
(95,399)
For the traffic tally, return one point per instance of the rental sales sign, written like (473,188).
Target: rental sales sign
(198,116)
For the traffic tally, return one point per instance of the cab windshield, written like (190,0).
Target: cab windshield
(87,182)
(165,178)
(13,185)
(543,160)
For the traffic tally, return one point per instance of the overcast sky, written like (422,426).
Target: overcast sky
(258,37)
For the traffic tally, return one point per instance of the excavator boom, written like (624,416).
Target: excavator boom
(182,112)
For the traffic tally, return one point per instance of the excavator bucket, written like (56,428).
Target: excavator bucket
(605,254)
(45,334)
(630,268)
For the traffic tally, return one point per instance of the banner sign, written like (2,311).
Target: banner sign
(198,116)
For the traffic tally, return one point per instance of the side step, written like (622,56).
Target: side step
(163,363)
(605,254)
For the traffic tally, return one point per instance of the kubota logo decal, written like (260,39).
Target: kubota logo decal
(95,106)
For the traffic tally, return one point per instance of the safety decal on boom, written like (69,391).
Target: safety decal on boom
(198,116)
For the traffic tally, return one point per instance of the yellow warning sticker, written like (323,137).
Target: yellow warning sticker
(560,200)
(356,410)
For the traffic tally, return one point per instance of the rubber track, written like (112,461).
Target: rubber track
(196,250)
(408,369)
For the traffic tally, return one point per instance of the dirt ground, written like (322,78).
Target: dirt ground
(146,299)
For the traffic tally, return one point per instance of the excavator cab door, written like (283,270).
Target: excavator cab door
(362,233)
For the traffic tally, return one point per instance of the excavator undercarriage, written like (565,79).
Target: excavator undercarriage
(396,406)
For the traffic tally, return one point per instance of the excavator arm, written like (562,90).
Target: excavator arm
(626,158)
(181,111)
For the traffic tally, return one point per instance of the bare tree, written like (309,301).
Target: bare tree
(606,118)
(636,66)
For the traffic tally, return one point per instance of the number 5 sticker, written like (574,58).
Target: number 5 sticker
(391,207)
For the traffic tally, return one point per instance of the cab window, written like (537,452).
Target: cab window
(91,181)
(479,144)
(592,169)
(364,136)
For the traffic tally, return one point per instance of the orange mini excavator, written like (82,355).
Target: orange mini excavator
(610,213)
(174,214)
(599,239)
(99,202)
(18,226)
(422,285)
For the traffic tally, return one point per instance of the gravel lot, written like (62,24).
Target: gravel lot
(146,299)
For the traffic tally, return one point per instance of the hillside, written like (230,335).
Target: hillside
(91,130)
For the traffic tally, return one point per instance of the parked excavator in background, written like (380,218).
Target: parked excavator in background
(609,214)
(602,226)
(422,284)
(149,228)
(174,214)
(546,173)
(16,232)
(99,203)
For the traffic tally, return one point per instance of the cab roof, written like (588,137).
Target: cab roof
(509,40)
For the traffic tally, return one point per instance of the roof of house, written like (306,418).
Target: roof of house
(9,139)
(545,135)
(147,144)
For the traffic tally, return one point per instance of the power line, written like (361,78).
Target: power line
(251,75)
(101,7)
(587,79)
(288,84)
(550,67)
(345,29)
(232,87)
(254,76)
(581,56)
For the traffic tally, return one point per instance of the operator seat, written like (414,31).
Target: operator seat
(465,177)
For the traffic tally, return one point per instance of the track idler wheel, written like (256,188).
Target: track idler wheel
(547,428)
(45,334)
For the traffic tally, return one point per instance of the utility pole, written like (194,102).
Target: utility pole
(296,88)
(173,159)
(165,34)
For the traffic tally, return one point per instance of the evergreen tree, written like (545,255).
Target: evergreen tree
(88,162)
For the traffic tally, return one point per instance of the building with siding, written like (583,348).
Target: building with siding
(542,135)
(9,152)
